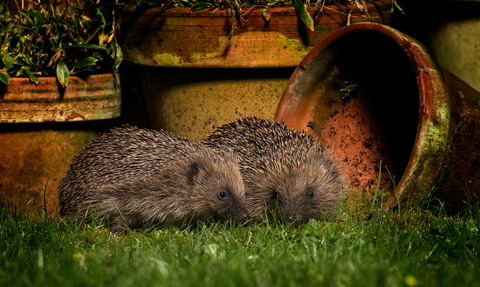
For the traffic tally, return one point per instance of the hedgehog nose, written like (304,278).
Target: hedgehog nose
(245,217)
(291,216)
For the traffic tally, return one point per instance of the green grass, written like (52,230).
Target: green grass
(413,247)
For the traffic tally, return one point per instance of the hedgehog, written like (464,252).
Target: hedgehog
(287,175)
(142,178)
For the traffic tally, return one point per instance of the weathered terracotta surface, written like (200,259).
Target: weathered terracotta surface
(35,157)
(42,128)
(405,111)
(92,98)
(181,38)
(460,176)
(193,102)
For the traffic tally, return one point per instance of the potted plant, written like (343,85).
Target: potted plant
(58,77)
(201,64)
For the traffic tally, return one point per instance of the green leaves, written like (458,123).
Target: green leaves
(301,8)
(62,74)
(8,61)
(37,16)
(439,226)
(4,77)
(56,41)
(395,4)
(442,226)
(88,46)
(197,5)
(31,76)
(88,61)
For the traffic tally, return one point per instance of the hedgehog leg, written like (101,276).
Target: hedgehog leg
(117,225)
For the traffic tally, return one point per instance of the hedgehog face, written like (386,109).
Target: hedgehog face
(219,187)
(230,206)
(295,199)
(313,191)
(302,201)
(295,193)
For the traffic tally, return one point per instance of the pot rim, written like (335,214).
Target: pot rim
(253,10)
(93,97)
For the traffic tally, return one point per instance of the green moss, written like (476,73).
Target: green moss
(167,59)
(359,202)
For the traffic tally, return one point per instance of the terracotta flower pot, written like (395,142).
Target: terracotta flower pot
(93,98)
(207,69)
(179,37)
(42,128)
(376,95)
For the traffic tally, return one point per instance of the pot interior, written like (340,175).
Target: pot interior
(359,95)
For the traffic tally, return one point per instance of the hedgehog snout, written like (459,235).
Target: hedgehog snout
(241,216)
(245,217)
(291,216)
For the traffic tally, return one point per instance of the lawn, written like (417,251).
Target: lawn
(418,246)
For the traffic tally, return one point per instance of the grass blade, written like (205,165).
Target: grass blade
(376,189)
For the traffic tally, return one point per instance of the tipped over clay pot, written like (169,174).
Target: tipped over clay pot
(376,95)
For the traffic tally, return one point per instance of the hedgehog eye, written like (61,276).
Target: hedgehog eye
(310,192)
(274,195)
(222,195)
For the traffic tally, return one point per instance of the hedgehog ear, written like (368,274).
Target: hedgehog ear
(193,172)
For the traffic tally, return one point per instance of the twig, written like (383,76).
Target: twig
(239,9)
(246,13)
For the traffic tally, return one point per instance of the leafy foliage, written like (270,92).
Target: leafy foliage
(45,40)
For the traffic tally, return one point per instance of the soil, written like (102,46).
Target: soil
(361,142)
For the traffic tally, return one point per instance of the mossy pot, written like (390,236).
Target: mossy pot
(389,105)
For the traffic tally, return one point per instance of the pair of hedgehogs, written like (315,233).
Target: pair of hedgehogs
(247,169)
